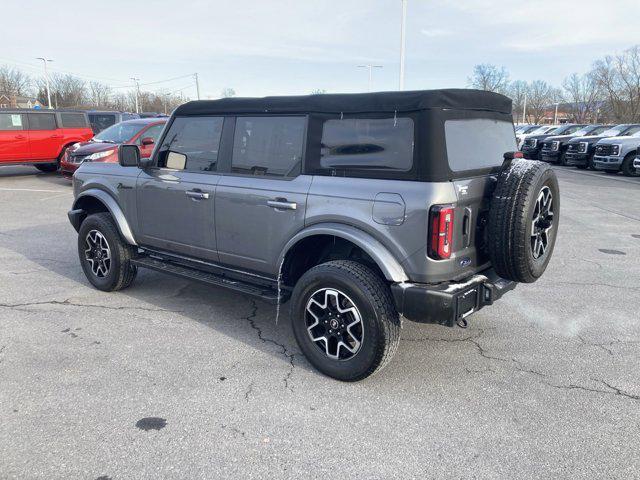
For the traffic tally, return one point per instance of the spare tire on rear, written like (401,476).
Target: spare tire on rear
(523,220)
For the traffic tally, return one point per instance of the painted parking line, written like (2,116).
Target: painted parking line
(31,190)
(599,175)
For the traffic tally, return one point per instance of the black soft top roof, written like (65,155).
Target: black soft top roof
(459,99)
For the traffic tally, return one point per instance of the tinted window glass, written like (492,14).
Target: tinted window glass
(42,121)
(10,121)
(196,137)
(119,133)
(268,146)
(101,121)
(152,132)
(478,143)
(368,143)
(73,120)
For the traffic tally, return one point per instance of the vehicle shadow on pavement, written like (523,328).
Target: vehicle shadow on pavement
(234,315)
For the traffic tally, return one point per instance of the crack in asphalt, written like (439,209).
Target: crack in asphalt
(474,340)
(70,303)
(598,284)
(613,390)
(602,346)
(284,351)
(248,392)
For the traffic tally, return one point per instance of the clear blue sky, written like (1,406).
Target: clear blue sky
(261,47)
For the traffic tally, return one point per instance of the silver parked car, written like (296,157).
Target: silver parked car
(357,209)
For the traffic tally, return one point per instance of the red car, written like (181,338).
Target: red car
(144,132)
(40,137)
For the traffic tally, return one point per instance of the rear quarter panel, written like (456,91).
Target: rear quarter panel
(351,201)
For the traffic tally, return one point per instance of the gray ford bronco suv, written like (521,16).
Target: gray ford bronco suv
(357,209)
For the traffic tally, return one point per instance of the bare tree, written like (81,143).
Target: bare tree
(14,82)
(99,95)
(540,96)
(67,91)
(228,92)
(489,77)
(619,78)
(518,92)
(582,93)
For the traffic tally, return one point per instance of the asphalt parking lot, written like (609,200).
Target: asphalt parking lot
(174,379)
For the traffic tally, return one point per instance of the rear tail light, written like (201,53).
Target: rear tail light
(441,231)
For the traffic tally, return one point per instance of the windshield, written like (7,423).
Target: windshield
(615,131)
(589,130)
(119,133)
(541,130)
(567,129)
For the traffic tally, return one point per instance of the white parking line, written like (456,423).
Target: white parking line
(31,190)
(599,175)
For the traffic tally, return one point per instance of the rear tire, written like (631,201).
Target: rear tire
(344,320)
(104,255)
(523,220)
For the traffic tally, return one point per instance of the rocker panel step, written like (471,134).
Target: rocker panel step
(266,294)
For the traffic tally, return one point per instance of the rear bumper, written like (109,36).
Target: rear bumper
(447,303)
(607,163)
(573,158)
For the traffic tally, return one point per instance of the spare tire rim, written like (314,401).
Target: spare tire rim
(98,253)
(334,323)
(542,223)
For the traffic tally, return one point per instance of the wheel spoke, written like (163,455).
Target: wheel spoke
(334,324)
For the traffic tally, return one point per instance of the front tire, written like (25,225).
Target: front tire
(47,167)
(344,320)
(104,255)
(627,166)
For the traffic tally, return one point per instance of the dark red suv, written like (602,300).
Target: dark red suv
(40,137)
(143,132)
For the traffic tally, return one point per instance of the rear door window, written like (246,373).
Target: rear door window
(42,121)
(268,146)
(368,144)
(73,120)
(477,143)
(101,121)
(197,138)
(11,121)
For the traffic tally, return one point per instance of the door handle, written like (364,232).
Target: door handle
(197,195)
(56,136)
(20,137)
(282,204)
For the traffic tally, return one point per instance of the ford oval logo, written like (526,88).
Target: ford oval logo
(465,262)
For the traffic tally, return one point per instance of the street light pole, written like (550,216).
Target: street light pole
(137,82)
(555,115)
(46,78)
(402,42)
(195,75)
(524,108)
(370,68)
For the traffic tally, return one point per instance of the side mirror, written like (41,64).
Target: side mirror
(128,155)
(147,141)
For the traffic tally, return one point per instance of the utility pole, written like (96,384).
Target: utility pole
(46,78)
(370,68)
(402,41)
(137,83)
(195,75)
(524,108)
